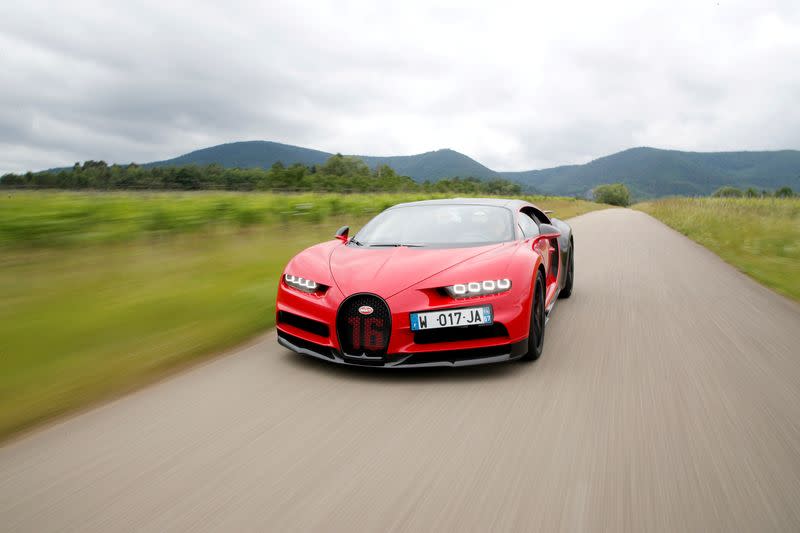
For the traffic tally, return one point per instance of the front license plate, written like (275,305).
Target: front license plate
(451,318)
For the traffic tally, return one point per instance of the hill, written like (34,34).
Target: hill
(433,165)
(263,154)
(648,172)
(651,172)
(248,154)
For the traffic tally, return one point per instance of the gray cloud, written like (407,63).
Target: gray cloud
(514,85)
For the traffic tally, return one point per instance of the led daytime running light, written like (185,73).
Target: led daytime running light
(479,288)
(301,283)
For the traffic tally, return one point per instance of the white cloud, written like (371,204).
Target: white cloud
(516,85)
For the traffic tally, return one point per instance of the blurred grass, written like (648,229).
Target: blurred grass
(759,236)
(100,293)
(35,219)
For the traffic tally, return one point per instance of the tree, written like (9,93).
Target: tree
(11,180)
(501,187)
(784,192)
(385,172)
(728,192)
(613,194)
(751,193)
(344,166)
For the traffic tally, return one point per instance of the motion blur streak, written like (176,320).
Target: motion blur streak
(668,398)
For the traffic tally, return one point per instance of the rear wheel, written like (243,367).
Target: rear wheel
(567,290)
(536,329)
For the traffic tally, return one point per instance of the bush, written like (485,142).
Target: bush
(613,194)
(728,192)
(784,192)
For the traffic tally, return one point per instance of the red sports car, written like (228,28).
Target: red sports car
(434,283)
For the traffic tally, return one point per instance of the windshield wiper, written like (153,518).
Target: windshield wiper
(357,243)
(395,245)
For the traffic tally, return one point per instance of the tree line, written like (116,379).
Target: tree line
(734,192)
(338,174)
(618,193)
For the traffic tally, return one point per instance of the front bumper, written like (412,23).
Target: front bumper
(306,323)
(451,358)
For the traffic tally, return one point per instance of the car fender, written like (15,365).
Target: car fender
(525,265)
(313,263)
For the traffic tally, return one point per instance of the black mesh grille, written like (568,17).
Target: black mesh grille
(364,334)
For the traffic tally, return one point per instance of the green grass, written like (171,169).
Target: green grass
(40,219)
(759,236)
(100,293)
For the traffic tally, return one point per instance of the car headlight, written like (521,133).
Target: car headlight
(303,284)
(478,288)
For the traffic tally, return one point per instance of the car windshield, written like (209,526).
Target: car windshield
(438,225)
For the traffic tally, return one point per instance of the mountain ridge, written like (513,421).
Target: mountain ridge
(653,172)
(647,171)
(433,165)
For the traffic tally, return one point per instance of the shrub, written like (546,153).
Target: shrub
(728,192)
(784,192)
(613,194)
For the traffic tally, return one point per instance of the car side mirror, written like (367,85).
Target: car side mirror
(342,233)
(548,230)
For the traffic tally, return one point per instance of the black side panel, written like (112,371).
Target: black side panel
(306,324)
(565,242)
(464,333)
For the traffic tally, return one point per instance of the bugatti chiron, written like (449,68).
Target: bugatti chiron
(433,283)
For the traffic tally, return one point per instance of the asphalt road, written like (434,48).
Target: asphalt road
(667,399)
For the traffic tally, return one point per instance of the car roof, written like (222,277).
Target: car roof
(509,203)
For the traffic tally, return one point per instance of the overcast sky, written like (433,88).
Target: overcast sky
(515,85)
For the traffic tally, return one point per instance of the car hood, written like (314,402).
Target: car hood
(387,271)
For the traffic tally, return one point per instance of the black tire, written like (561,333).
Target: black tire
(567,290)
(536,327)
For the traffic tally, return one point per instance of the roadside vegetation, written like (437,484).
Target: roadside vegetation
(759,236)
(338,174)
(612,194)
(734,192)
(101,292)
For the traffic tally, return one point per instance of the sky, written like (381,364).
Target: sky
(515,85)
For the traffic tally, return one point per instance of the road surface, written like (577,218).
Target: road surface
(667,399)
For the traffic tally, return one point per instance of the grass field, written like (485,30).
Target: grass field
(100,293)
(35,219)
(759,236)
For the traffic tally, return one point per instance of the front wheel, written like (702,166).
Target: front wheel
(536,329)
